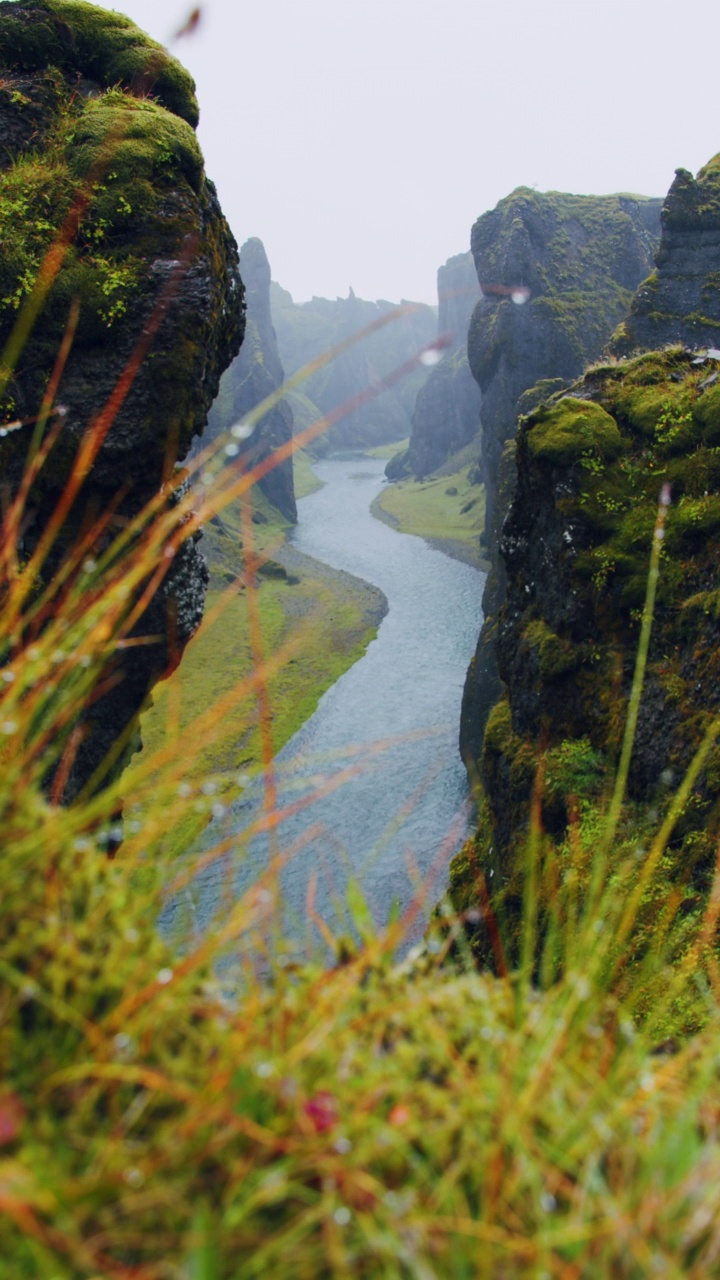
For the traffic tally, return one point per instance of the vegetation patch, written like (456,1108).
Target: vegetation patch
(447,509)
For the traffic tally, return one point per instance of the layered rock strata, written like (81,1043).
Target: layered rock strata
(97,128)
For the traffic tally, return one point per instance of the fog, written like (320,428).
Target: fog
(360,140)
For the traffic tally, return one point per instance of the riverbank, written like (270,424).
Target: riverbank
(314,623)
(448,511)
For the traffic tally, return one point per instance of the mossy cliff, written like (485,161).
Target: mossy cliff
(576,547)
(557,273)
(446,416)
(254,374)
(310,329)
(680,300)
(92,111)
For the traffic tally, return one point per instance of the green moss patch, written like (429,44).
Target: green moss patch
(101,45)
(561,435)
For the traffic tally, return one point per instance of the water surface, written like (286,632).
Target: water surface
(392,721)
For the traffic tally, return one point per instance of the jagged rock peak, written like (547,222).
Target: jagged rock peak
(680,300)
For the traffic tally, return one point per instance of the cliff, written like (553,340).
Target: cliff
(557,273)
(576,547)
(309,329)
(446,416)
(680,300)
(590,464)
(97,123)
(254,374)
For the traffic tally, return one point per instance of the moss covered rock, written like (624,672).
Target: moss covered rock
(576,549)
(680,300)
(558,274)
(100,150)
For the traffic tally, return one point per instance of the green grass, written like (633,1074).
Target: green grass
(304,478)
(387,450)
(444,509)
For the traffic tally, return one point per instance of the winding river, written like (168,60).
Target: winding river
(374,777)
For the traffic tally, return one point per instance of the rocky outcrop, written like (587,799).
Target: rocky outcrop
(576,548)
(446,416)
(680,301)
(98,139)
(557,273)
(310,329)
(256,373)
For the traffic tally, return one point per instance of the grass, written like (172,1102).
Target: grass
(388,450)
(304,478)
(446,509)
(395,1121)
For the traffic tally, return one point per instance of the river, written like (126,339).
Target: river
(378,762)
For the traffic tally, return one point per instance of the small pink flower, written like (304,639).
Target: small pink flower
(322,1110)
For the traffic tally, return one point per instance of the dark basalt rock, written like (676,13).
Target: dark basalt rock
(254,374)
(576,551)
(680,301)
(446,416)
(90,107)
(557,273)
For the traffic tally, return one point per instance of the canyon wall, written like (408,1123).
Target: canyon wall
(593,463)
(97,125)
(254,374)
(446,415)
(557,274)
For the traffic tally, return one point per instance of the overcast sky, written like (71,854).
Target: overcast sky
(361,138)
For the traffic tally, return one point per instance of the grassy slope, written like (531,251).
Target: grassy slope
(319,620)
(447,510)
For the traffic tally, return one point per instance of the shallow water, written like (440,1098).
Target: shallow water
(392,720)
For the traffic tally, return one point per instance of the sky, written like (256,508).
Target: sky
(360,139)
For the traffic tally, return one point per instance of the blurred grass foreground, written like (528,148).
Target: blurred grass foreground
(554,1116)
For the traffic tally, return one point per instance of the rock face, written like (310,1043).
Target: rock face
(576,548)
(680,301)
(97,130)
(557,273)
(446,416)
(595,467)
(308,330)
(254,374)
